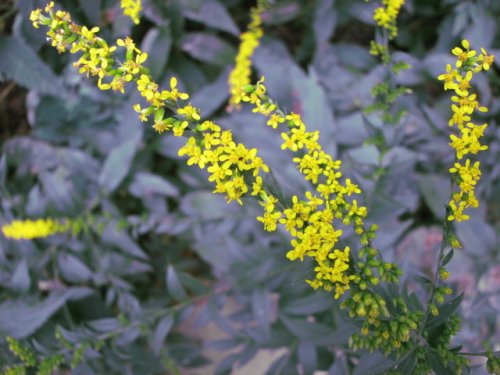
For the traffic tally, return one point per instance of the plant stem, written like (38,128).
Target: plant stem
(480,354)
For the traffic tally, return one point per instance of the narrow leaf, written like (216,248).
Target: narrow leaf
(174,286)
(447,258)
(208,48)
(157,43)
(162,329)
(117,165)
(213,14)
(20,319)
(21,64)
(436,363)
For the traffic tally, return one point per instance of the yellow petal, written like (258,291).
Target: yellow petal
(173,83)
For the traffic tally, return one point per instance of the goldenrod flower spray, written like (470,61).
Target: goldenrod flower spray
(387,322)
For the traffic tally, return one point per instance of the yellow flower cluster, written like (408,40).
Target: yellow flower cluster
(31,229)
(233,168)
(132,8)
(310,220)
(240,76)
(465,173)
(230,165)
(386,15)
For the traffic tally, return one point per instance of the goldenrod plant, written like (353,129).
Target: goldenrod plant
(358,298)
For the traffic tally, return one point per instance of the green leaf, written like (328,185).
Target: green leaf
(407,366)
(210,97)
(422,280)
(445,311)
(366,155)
(56,189)
(205,205)
(174,286)
(219,320)
(92,10)
(145,184)
(279,365)
(192,284)
(21,64)
(372,363)
(317,333)
(20,280)
(248,353)
(73,269)
(447,258)
(310,304)
(436,363)
(208,48)
(3,169)
(261,308)
(325,19)
(20,318)
(212,13)
(435,190)
(157,43)
(112,235)
(306,352)
(281,13)
(162,329)
(117,165)
(225,367)
(477,236)
(105,325)
(315,107)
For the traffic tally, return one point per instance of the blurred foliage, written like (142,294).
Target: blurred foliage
(160,256)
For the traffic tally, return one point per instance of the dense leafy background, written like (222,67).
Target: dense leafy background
(168,275)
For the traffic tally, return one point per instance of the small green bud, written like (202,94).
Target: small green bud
(434,310)
(249,89)
(361,310)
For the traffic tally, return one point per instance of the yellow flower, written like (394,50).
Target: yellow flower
(174,93)
(463,84)
(463,54)
(485,60)
(179,127)
(35,17)
(132,8)
(449,78)
(289,142)
(457,212)
(190,112)
(386,15)
(275,120)
(147,87)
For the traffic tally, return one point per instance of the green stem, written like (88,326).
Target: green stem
(432,294)
(479,354)
(444,244)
